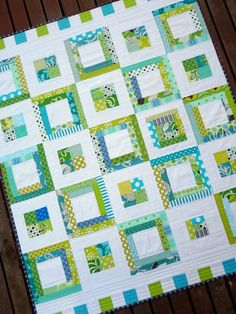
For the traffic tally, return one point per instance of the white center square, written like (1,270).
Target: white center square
(51,272)
(181,25)
(91,54)
(233,209)
(59,113)
(7,84)
(150,83)
(118,143)
(213,114)
(25,173)
(147,242)
(181,177)
(85,207)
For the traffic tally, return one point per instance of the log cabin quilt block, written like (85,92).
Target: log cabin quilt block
(13,83)
(118,155)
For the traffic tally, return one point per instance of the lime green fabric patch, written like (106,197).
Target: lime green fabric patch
(155,289)
(2,44)
(129,3)
(86,16)
(106,304)
(205,273)
(42,30)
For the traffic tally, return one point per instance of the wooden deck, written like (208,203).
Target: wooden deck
(218,296)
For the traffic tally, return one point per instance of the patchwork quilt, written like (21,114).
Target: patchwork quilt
(118,155)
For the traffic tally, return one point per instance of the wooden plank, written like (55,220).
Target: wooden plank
(225,29)
(102,2)
(177,301)
(70,7)
(220,297)
(126,310)
(18,14)
(161,305)
(5,302)
(231,6)
(142,308)
(218,44)
(15,279)
(35,12)
(86,5)
(231,283)
(201,300)
(52,9)
(6,26)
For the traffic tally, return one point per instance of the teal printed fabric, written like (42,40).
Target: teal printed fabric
(118,155)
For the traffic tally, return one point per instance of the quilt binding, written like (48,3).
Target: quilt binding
(7,201)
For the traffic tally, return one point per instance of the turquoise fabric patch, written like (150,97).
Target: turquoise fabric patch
(20,38)
(230,266)
(107,9)
(81,309)
(63,24)
(180,281)
(130,296)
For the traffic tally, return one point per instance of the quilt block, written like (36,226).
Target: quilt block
(47,68)
(59,113)
(186,166)
(53,272)
(74,201)
(83,63)
(26,174)
(13,83)
(112,157)
(181,25)
(38,222)
(99,257)
(136,39)
(136,237)
(151,83)
(13,127)
(118,155)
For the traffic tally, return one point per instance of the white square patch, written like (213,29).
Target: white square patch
(59,113)
(150,83)
(85,207)
(181,177)
(233,208)
(91,54)
(51,272)
(25,174)
(213,114)
(181,25)
(118,143)
(6,83)
(147,242)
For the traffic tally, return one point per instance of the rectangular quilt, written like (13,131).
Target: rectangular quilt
(118,155)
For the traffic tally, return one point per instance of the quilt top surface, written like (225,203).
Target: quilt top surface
(118,155)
